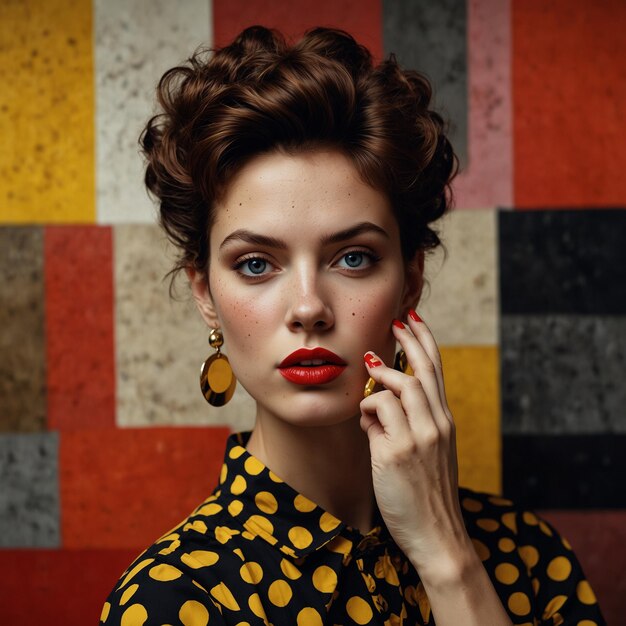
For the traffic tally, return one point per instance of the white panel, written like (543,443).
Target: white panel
(136,42)
(460,303)
(160,342)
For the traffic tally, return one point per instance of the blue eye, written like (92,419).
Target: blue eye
(354,259)
(357,259)
(253,267)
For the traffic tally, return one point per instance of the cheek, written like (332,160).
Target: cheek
(244,318)
(370,316)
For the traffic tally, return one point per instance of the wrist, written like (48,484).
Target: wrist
(450,568)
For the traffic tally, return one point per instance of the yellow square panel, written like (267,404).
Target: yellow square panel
(46,111)
(471,377)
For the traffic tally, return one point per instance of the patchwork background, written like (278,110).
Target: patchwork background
(105,441)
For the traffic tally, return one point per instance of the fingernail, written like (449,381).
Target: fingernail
(372,360)
(414,316)
(398,324)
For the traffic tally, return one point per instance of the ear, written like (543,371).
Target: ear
(199,283)
(414,283)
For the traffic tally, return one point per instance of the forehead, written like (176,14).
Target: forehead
(299,196)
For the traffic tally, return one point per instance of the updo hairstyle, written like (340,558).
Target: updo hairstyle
(261,94)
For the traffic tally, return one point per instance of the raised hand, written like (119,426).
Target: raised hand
(413,447)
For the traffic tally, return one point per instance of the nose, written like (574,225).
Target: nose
(309,310)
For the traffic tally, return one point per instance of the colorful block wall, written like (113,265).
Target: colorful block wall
(105,441)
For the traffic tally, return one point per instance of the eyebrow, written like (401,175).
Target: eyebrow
(249,236)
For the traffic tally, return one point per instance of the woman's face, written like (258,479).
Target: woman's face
(304,254)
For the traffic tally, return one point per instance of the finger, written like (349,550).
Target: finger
(423,368)
(427,341)
(407,392)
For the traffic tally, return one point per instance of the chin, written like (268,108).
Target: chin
(316,409)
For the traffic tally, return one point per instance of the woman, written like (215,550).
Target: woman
(299,183)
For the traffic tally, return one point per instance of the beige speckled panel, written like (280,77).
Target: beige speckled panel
(460,303)
(136,42)
(161,342)
(22,345)
(46,111)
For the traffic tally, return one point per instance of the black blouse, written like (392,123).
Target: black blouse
(257,552)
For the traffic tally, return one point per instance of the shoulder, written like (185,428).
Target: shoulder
(169,580)
(532,567)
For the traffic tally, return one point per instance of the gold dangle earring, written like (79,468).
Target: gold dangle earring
(217,380)
(400,363)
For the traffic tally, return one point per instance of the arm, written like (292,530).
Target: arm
(413,446)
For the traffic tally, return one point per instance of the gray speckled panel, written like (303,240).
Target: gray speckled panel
(431,37)
(135,43)
(22,345)
(29,490)
(460,303)
(161,342)
(563,374)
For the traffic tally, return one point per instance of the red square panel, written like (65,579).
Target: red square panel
(79,327)
(124,488)
(569,92)
(361,18)
(58,587)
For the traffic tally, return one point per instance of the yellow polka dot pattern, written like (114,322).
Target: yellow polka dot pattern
(257,552)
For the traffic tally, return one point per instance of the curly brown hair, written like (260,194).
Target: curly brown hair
(261,94)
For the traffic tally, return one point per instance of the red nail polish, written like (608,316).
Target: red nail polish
(398,324)
(372,360)
(414,316)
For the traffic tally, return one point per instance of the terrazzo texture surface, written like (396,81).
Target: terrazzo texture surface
(161,342)
(569,74)
(431,37)
(121,487)
(29,497)
(565,471)
(22,339)
(135,43)
(471,377)
(460,300)
(79,327)
(47,161)
(486,180)
(52,576)
(563,262)
(563,374)
(99,363)
(361,18)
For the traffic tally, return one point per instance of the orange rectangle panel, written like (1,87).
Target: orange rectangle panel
(361,18)
(79,327)
(57,587)
(568,102)
(124,488)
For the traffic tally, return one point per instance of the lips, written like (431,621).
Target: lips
(315,366)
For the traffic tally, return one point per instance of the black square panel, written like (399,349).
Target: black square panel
(563,261)
(565,471)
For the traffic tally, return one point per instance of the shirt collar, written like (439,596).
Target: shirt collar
(268,507)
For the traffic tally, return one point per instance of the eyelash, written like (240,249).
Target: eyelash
(373,259)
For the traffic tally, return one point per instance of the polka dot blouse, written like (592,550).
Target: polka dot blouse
(257,552)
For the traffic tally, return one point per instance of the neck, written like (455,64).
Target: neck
(330,465)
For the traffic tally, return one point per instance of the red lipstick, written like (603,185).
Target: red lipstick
(315,366)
